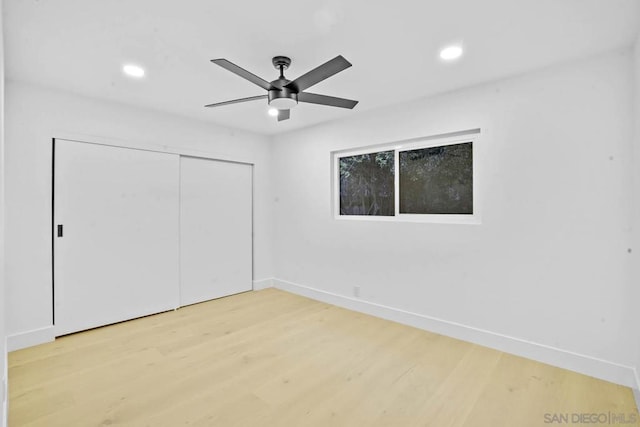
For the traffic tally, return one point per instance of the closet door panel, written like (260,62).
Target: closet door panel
(118,255)
(215,229)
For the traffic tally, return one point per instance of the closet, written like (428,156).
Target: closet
(139,232)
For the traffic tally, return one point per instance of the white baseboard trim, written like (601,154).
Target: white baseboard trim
(262,284)
(30,338)
(4,416)
(636,394)
(636,389)
(598,368)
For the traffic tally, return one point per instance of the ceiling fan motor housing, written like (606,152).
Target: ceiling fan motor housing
(284,98)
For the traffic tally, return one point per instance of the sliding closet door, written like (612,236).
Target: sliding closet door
(215,229)
(115,234)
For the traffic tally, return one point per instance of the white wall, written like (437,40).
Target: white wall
(36,115)
(545,275)
(3,347)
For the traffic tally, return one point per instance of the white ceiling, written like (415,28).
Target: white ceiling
(80,46)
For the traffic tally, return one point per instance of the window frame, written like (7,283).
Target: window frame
(472,136)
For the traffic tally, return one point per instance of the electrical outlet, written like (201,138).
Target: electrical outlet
(356,291)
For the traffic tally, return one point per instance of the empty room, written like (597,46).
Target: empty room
(328,213)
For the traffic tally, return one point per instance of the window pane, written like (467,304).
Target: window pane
(366,184)
(437,180)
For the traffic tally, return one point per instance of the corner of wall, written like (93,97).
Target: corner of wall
(4,395)
(635,239)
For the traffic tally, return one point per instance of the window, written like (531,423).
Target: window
(437,180)
(430,179)
(367,185)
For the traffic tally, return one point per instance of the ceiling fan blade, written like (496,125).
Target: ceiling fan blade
(244,74)
(313,98)
(236,101)
(318,74)
(283,115)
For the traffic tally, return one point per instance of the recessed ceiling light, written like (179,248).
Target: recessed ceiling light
(273,112)
(133,70)
(450,53)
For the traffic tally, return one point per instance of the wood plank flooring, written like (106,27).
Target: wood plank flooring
(270,358)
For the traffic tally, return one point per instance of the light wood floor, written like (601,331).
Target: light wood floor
(270,358)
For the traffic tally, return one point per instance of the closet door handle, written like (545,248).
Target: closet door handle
(59,230)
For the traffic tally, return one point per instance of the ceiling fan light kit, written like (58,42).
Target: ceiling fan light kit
(284,94)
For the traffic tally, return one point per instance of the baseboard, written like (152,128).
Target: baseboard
(262,284)
(598,368)
(636,389)
(4,416)
(636,394)
(30,338)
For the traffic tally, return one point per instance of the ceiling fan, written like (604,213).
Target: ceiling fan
(283,94)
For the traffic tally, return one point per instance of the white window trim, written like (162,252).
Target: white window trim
(472,136)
